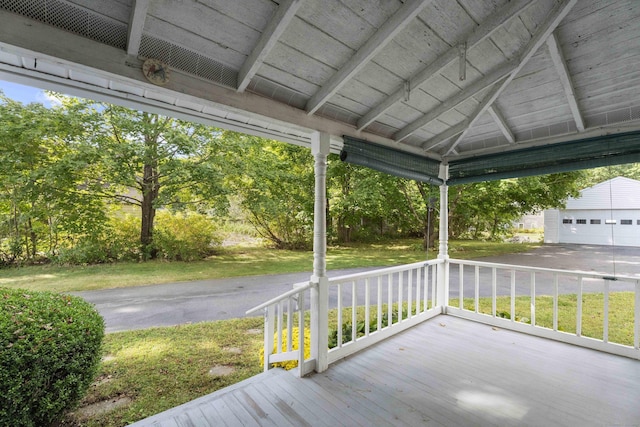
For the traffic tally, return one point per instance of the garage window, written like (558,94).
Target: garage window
(626,222)
(595,221)
(567,221)
(581,221)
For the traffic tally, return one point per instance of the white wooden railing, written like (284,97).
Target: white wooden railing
(280,314)
(489,293)
(368,307)
(364,308)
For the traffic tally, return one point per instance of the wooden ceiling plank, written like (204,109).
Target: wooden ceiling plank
(546,29)
(497,116)
(136,25)
(462,96)
(372,47)
(282,16)
(444,136)
(565,78)
(481,33)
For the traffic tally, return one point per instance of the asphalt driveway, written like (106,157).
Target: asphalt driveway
(178,303)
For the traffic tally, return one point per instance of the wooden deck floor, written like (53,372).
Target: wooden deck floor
(446,371)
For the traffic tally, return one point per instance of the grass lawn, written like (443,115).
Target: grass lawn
(236,261)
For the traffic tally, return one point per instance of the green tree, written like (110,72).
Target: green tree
(489,208)
(363,203)
(275,184)
(44,197)
(152,161)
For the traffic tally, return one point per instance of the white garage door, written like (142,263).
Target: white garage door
(600,227)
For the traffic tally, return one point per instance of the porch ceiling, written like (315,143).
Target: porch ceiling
(440,78)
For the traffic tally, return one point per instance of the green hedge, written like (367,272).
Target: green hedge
(50,351)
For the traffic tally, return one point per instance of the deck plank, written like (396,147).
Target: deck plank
(446,371)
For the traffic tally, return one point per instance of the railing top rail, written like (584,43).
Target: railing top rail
(588,274)
(297,288)
(381,271)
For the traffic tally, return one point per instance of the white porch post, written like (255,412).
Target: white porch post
(319,292)
(442,293)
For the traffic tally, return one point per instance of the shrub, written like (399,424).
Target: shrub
(184,237)
(50,350)
(295,337)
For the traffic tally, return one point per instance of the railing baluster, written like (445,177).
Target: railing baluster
(494,279)
(477,289)
(636,317)
(579,309)
(400,277)
(555,301)
(354,317)
(513,295)
(279,313)
(290,324)
(366,307)
(409,296)
(434,278)
(389,300)
(301,331)
(418,288)
(379,307)
(605,326)
(339,325)
(269,318)
(533,298)
(426,288)
(461,281)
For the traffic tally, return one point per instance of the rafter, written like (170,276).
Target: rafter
(276,26)
(456,100)
(379,40)
(460,127)
(136,25)
(479,34)
(565,78)
(546,29)
(449,133)
(500,121)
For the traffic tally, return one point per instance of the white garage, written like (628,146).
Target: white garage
(605,214)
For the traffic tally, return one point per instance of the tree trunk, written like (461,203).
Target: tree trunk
(150,189)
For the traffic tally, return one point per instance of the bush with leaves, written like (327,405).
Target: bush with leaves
(184,237)
(50,350)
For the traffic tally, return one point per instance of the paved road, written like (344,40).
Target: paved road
(178,303)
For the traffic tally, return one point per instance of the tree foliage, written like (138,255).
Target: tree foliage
(65,170)
(45,200)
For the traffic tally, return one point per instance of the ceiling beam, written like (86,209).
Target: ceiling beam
(460,127)
(546,29)
(456,100)
(136,25)
(565,78)
(379,40)
(497,116)
(270,36)
(444,136)
(479,34)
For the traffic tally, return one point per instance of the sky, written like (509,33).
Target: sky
(24,94)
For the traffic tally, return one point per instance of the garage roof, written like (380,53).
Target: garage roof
(450,80)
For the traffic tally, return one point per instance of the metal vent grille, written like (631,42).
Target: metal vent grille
(613,117)
(188,61)
(71,18)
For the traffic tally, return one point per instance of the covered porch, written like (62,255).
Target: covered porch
(446,371)
(445,92)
